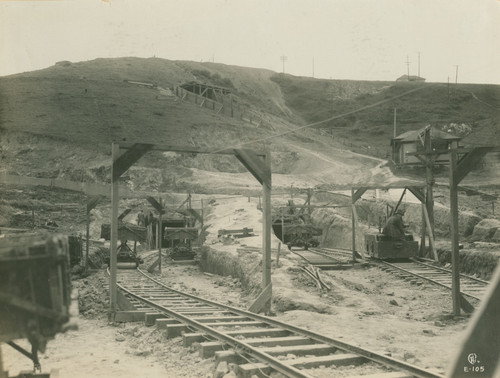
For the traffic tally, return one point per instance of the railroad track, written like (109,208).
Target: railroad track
(469,286)
(258,344)
(326,258)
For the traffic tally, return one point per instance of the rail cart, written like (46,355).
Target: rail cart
(35,292)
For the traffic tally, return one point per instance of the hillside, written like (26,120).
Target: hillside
(474,105)
(59,122)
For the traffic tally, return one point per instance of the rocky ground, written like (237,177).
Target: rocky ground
(366,307)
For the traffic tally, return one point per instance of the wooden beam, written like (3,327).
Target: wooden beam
(356,195)
(480,348)
(92,203)
(431,233)
(455,260)
(468,162)
(353,221)
(124,214)
(190,149)
(261,300)
(266,229)
(158,207)
(257,167)
(418,193)
(114,233)
(128,158)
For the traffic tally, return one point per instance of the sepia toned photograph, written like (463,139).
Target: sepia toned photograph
(247,189)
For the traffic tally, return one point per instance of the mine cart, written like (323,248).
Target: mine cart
(298,235)
(35,291)
(384,247)
(180,239)
(125,256)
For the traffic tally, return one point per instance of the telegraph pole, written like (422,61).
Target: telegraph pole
(419,64)
(283,59)
(456,74)
(408,67)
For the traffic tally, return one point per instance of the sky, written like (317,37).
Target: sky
(337,39)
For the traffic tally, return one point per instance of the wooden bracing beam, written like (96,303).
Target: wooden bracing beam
(128,158)
(255,165)
(468,162)
(357,194)
(418,193)
(156,205)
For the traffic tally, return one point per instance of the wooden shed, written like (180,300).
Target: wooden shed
(405,146)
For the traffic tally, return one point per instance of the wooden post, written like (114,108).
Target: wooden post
(455,257)
(282,228)
(266,233)
(429,175)
(353,225)
(115,149)
(160,236)
(422,233)
(278,256)
(87,243)
(431,234)
(200,242)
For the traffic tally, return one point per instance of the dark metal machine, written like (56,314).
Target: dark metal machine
(383,247)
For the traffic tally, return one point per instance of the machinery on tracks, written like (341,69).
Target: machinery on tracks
(380,246)
(258,344)
(127,257)
(35,292)
(293,227)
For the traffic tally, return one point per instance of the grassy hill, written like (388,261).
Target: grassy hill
(60,121)
(475,105)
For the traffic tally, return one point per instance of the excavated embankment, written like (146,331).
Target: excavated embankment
(479,258)
(288,294)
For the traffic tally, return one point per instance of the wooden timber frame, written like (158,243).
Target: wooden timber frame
(459,169)
(124,155)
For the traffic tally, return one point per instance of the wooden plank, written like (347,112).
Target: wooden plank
(256,166)
(115,148)
(455,259)
(468,162)
(356,195)
(431,233)
(261,300)
(480,347)
(313,349)
(128,158)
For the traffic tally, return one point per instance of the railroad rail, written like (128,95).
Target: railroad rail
(470,286)
(326,258)
(258,344)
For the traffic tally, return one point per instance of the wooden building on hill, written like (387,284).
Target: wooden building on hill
(405,146)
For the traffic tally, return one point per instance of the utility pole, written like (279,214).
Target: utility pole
(395,114)
(283,59)
(408,67)
(456,75)
(448,89)
(419,64)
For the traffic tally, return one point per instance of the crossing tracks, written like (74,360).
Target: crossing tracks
(258,344)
